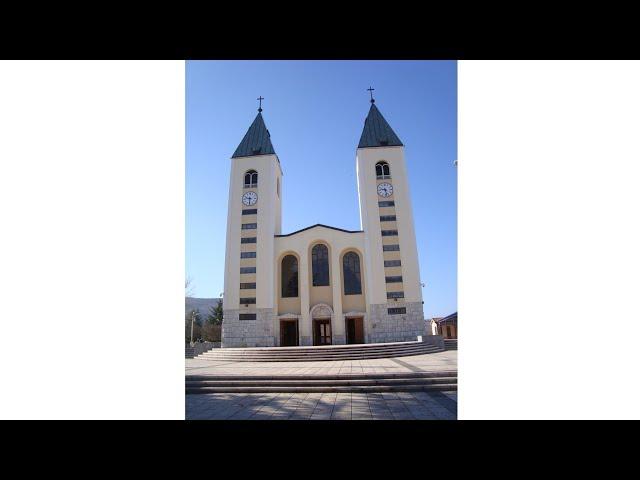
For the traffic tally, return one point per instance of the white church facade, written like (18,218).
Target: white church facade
(321,285)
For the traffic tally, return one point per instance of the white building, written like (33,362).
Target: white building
(321,285)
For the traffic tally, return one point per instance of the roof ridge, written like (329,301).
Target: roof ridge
(319,225)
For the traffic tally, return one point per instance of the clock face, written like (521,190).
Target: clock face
(385,189)
(250,198)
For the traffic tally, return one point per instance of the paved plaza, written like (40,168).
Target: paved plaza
(447,360)
(420,405)
(323,406)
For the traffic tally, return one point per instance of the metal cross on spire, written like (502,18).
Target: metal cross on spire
(370,90)
(260,98)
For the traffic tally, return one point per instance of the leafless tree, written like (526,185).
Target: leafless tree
(211,333)
(188,287)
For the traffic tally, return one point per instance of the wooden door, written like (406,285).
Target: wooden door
(322,331)
(288,333)
(355,330)
(359,330)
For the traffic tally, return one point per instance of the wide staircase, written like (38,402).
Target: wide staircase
(320,353)
(451,344)
(355,383)
(197,349)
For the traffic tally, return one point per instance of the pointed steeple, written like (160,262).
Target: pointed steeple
(377,132)
(256,141)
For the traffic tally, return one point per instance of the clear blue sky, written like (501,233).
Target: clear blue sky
(315,112)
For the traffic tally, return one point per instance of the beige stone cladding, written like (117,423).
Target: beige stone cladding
(396,328)
(248,333)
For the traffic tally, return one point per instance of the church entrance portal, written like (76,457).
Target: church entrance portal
(355,330)
(288,333)
(322,331)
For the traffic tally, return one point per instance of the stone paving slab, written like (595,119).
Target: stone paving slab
(419,405)
(321,406)
(447,360)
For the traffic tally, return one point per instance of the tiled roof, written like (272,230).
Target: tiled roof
(452,319)
(377,132)
(256,141)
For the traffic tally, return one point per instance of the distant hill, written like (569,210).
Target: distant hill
(202,304)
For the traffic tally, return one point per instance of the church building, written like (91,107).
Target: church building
(321,285)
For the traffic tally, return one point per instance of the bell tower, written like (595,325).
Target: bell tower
(253,218)
(391,254)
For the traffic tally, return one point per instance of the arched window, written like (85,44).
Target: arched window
(320,265)
(351,274)
(251,179)
(382,170)
(289,276)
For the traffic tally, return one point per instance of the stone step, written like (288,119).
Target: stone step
(325,389)
(316,359)
(335,348)
(325,355)
(327,347)
(190,352)
(446,380)
(312,382)
(347,376)
(321,352)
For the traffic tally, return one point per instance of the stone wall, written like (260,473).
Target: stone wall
(382,327)
(436,340)
(396,328)
(199,348)
(248,333)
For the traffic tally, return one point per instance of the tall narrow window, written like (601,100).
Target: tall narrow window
(320,265)
(251,179)
(351,274)
(289,276)
(382,170)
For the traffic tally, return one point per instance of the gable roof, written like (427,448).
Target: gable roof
(257,140)
(449,319)
(377,132)
(319,225)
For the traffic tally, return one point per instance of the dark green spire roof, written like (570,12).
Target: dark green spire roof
(256,141)
(377,132)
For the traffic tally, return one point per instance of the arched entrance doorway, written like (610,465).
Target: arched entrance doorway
(321,316)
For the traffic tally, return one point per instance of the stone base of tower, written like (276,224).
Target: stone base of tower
(247,333)
(396,328)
